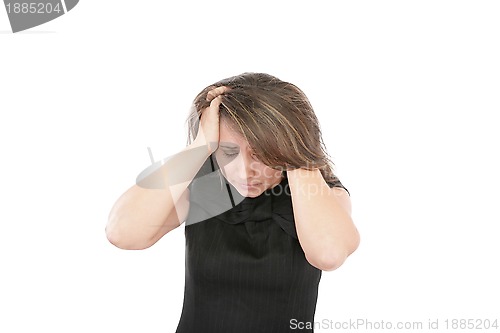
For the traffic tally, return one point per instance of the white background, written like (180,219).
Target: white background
(406,93)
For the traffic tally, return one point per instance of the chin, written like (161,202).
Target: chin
(253,195)
(249,194)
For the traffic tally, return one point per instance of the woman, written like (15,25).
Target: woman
(264,213)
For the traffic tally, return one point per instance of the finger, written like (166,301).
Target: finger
(215,103)
(216,92)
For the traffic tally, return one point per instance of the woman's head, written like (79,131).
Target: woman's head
(271,127)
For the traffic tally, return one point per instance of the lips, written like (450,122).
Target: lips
(250,185)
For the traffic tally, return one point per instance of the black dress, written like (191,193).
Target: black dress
(245,269)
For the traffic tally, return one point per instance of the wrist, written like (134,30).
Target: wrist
(201,142)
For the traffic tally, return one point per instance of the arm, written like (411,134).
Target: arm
(323,221)
(142,215)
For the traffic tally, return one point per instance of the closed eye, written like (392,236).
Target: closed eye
(230,155)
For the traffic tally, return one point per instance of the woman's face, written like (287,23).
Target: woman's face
(240,167)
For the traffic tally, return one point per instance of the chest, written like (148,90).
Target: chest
(258,255)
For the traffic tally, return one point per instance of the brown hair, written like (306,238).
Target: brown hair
(276,119)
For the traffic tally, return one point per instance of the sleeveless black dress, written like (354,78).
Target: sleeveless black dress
(245,269)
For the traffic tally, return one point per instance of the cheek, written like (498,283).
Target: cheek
(270,173)
(227,165)
(230,168)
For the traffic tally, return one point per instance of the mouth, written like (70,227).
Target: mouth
(250,186)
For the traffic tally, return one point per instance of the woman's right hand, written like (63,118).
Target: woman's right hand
(208,131)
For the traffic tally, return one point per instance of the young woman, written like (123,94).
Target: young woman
(264,212)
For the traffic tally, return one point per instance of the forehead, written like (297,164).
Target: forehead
(229,137)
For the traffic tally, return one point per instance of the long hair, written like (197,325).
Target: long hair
(274,116)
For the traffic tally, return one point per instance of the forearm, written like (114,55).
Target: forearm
(149,206)
(324,226)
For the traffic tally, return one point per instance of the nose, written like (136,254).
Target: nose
(246,166)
